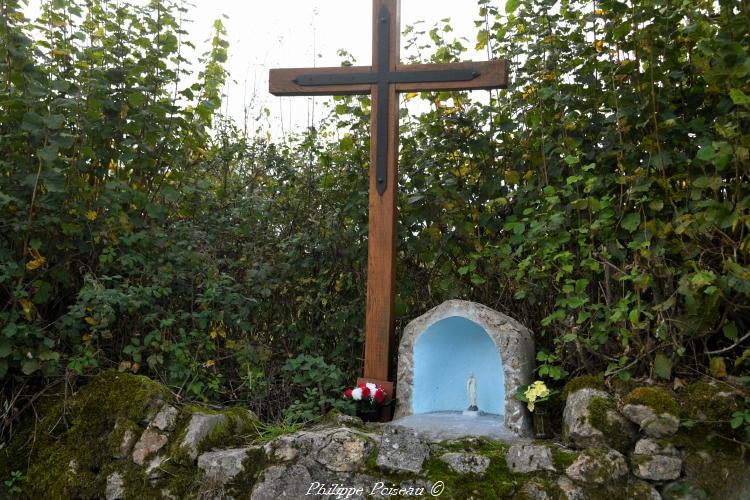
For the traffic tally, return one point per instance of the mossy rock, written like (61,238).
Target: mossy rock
(631,489)
(718,474)
(71,445)
(618,432)
(709,400)
(75,444)
(657,398)
(497,482)
(582,382)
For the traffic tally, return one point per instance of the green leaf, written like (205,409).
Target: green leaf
(730,330)
(477,280)
(738,418)
(631,222)
(656,205)
(662,366)
(482,39)
(49,153)
(739,98)
(713,183)
(54,122)
(706,154)
(511,6)
(29,366)
(5,348)
(718,367)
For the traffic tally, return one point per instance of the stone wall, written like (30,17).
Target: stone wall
(136,442)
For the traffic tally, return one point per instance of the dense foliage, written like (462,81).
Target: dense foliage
(603,200)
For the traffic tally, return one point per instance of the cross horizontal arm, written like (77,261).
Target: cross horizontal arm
(283,81)
(491,75)
(406,78)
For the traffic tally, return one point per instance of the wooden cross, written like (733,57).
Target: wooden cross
(383,80)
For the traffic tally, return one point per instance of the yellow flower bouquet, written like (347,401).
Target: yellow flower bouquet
(534,393)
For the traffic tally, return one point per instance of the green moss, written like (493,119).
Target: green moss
(497,482)
(616,435)
(582,382)
(719,474)
(253,465)
(135,483)
(632,490)
(524,494)
(239,429)
(562,459)
(263,433)
(708,400)
(621,387)
(657,398)
(70,445)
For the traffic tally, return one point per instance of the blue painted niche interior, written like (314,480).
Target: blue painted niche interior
(445,355)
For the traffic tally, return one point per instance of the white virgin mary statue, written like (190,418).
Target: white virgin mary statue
(471,389)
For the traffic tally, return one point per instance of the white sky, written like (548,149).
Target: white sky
(265,34)
(298,33)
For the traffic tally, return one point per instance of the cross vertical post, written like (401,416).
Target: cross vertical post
(381,241)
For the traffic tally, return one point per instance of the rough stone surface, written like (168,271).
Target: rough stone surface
(466,463)
(533,491)
(126,445)
(651,447)
(650,423)
(339,419)
(346,451)
(224,464)
(401,450)
(201,426)
(282,449)
(657,467)
(115,489)
(578,429)
(641,490)
(165,419)
(280,481)
(523,458)
(514,343)
(570,490)
(150,442)
(315,447)
(153,469)
(656,462)
(597,466)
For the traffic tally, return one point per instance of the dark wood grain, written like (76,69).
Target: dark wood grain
(381,242)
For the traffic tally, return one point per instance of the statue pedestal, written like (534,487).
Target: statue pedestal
(471,413)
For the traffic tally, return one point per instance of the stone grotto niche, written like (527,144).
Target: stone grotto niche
(441,349)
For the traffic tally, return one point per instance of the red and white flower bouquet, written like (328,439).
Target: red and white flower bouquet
(368,396)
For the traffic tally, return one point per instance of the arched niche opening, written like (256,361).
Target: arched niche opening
(446,354)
